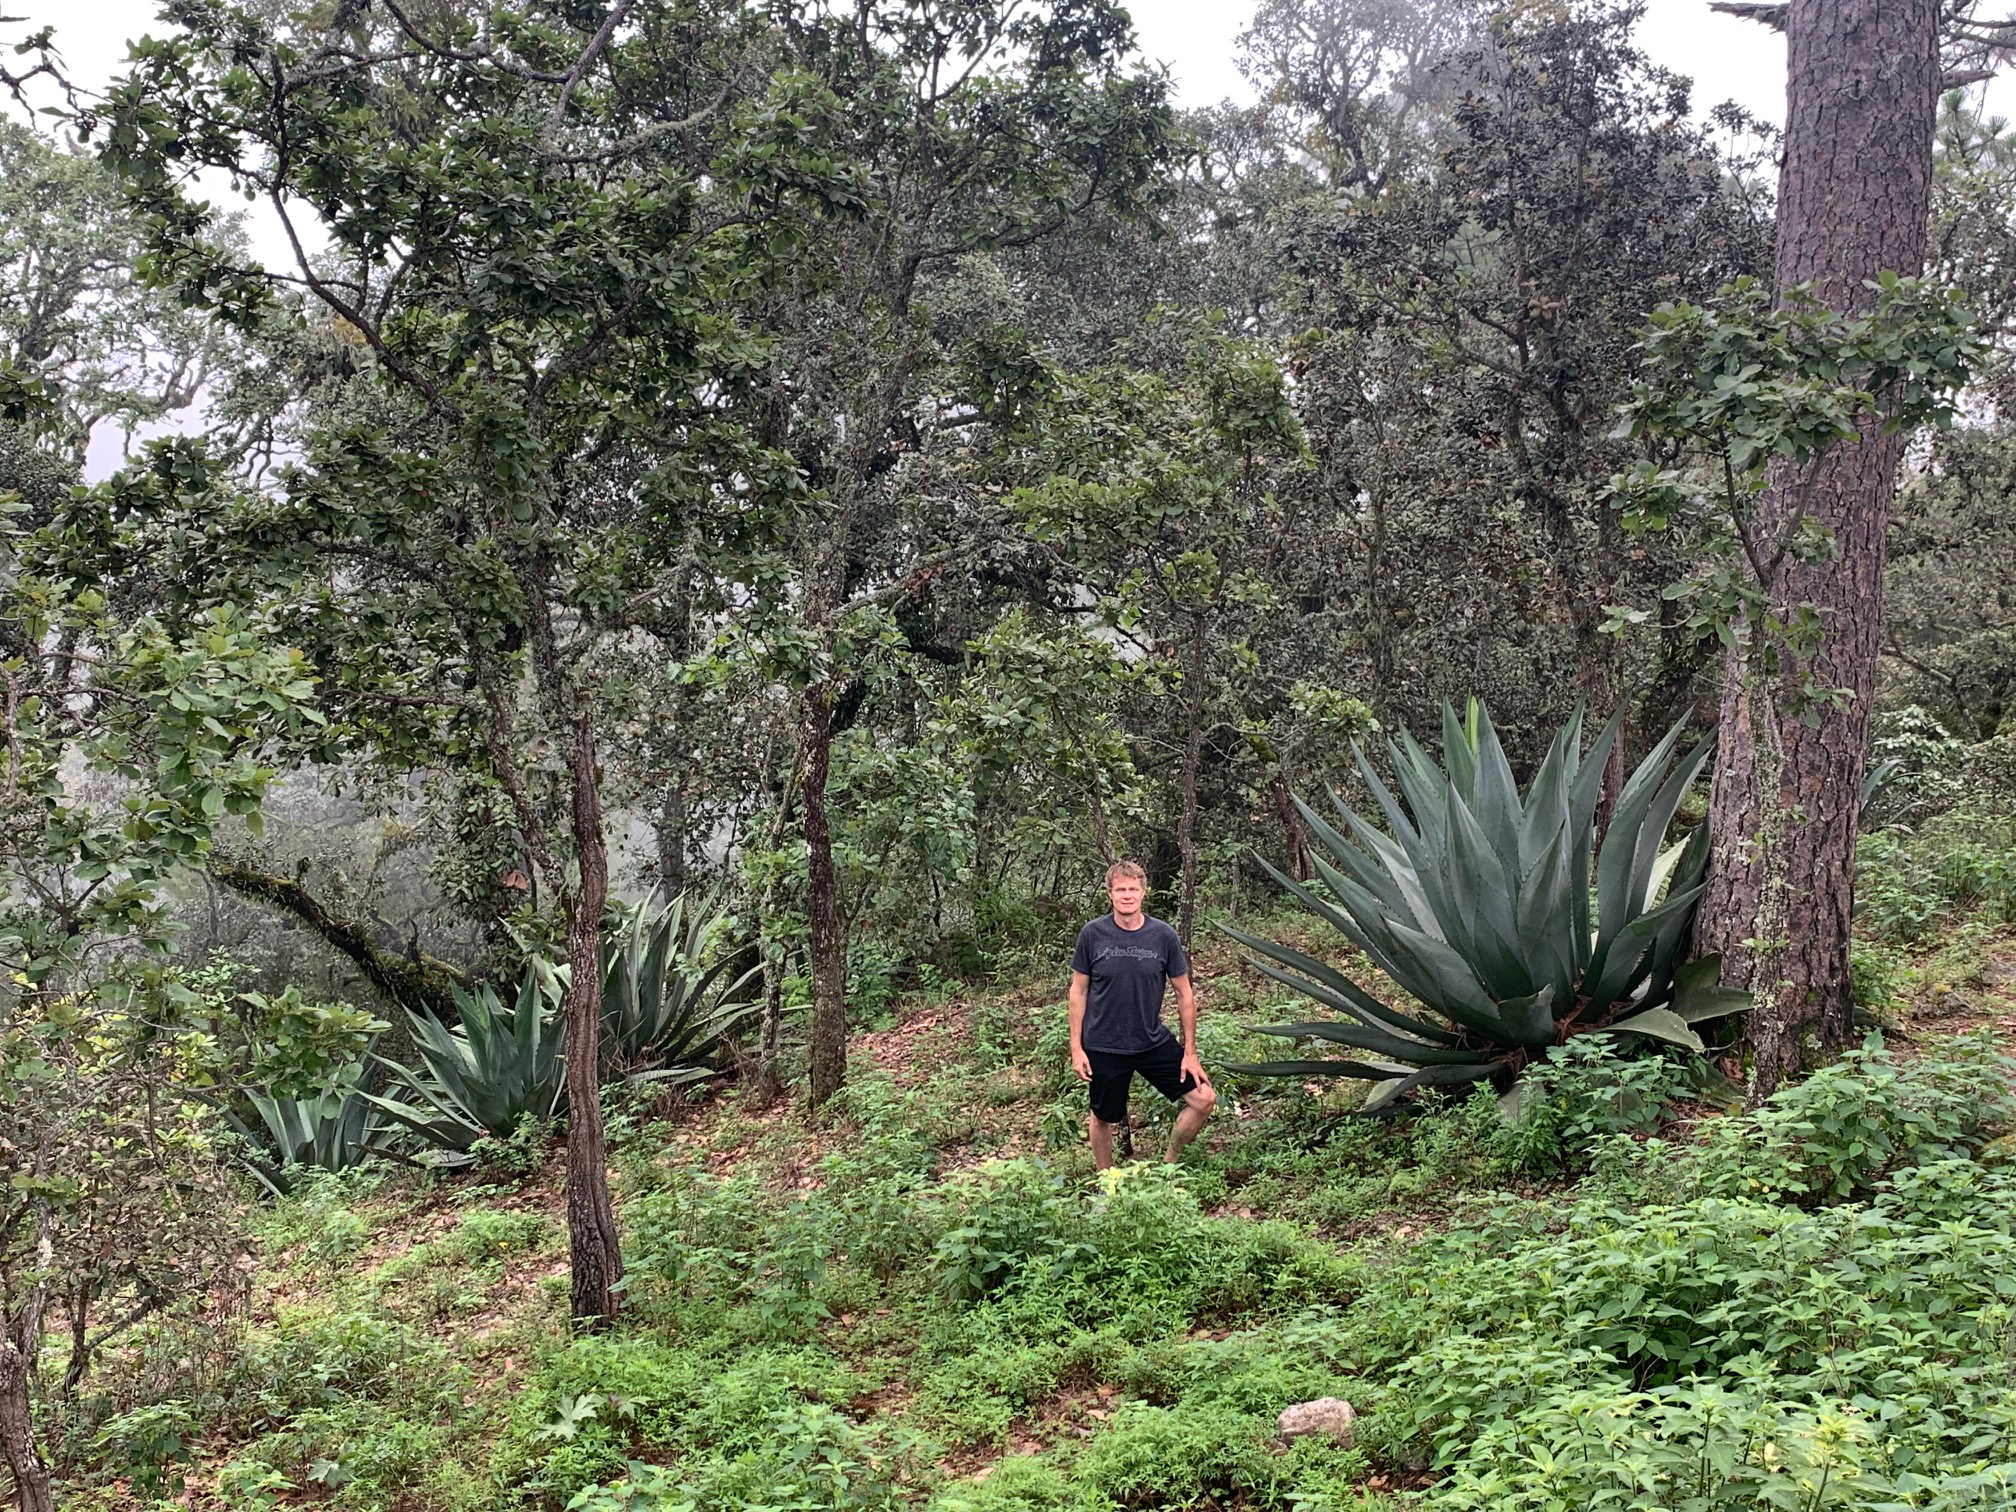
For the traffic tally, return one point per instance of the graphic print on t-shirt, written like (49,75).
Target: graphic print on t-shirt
(1129,970)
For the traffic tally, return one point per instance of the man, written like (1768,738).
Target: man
(1123,962)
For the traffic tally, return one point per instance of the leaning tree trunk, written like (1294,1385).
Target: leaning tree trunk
(1861,95)
(595,1256)
(827,1054)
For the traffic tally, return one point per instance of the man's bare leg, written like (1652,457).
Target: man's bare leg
(1102,1141)
(1197,1106)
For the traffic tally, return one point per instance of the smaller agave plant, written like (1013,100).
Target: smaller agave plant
(1499,914)
(331,1131)
(489,1071)
(665,1016)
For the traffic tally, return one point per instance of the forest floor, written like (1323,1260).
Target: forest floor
(840,1312)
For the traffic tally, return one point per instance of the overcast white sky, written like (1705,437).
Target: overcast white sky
(1727,58)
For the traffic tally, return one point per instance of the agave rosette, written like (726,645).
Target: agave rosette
(1499,914)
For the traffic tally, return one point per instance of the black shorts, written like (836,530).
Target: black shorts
(1113,1074)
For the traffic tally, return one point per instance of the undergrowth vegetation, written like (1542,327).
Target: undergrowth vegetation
(1630,1298)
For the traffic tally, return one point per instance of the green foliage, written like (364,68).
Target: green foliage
(1684,1335)
(1908,883)
(1585,1090)
(1478,905)
(498,1067)
(812,1459)
(1754,378)
(1006,1217)
(1841,1131)
(150,1445)
(112,347)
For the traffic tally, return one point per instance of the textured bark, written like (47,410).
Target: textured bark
(595,1257)
(32,1492)
(424,984)
(827,1058)
(1861,95)
(672,840)
(18,1344)
(1292,838)
(1193,757)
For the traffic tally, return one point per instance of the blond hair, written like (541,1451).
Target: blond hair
(1132,869)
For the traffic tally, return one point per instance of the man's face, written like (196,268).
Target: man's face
(1126,893)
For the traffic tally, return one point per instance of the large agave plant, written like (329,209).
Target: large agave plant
(1480,904)
(489,1071)
(663,1013)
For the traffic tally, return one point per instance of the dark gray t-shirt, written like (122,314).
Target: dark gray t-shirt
(1129,969)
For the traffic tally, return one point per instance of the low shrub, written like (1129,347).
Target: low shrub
(1810,1307)
(1907,881)
(810,1459)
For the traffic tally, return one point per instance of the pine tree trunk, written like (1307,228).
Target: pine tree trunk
(1862,92)
(32,1491)
(1193,755)
(828,1050)
(594,1252)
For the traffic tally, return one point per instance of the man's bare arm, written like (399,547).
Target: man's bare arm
(1081,984)
(1186,1014)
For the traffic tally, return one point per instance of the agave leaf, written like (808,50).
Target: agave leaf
(1628,951)
(1546,920)
(1687,874)
(1874,781)
(1698,993)
(1458,754)
(1420,840)
(1361,1070)
(1478,885)
(1390,878)
(1327,910)
(1652,834)
(1396,817)
(1530,1019)
(1318,993)
(1666,865)
(1463,998)
(1359,1000)
(447,1131)
(1432,1076)
(677,1076)
(649,974)
(1478,902)
(1659,1024)
(1583,794)
(1692,866)
(1546,811)
(1374,933)
(1376,1041)
(1616,862)
(1497,803)
(1427,793)
(494,1068)
(660,1006)
(1422,896)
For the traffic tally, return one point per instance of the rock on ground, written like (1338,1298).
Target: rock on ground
(1329,1416)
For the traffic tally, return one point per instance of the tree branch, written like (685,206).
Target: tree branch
(425,984)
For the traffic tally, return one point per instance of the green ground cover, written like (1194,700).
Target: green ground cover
(1632,1299)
